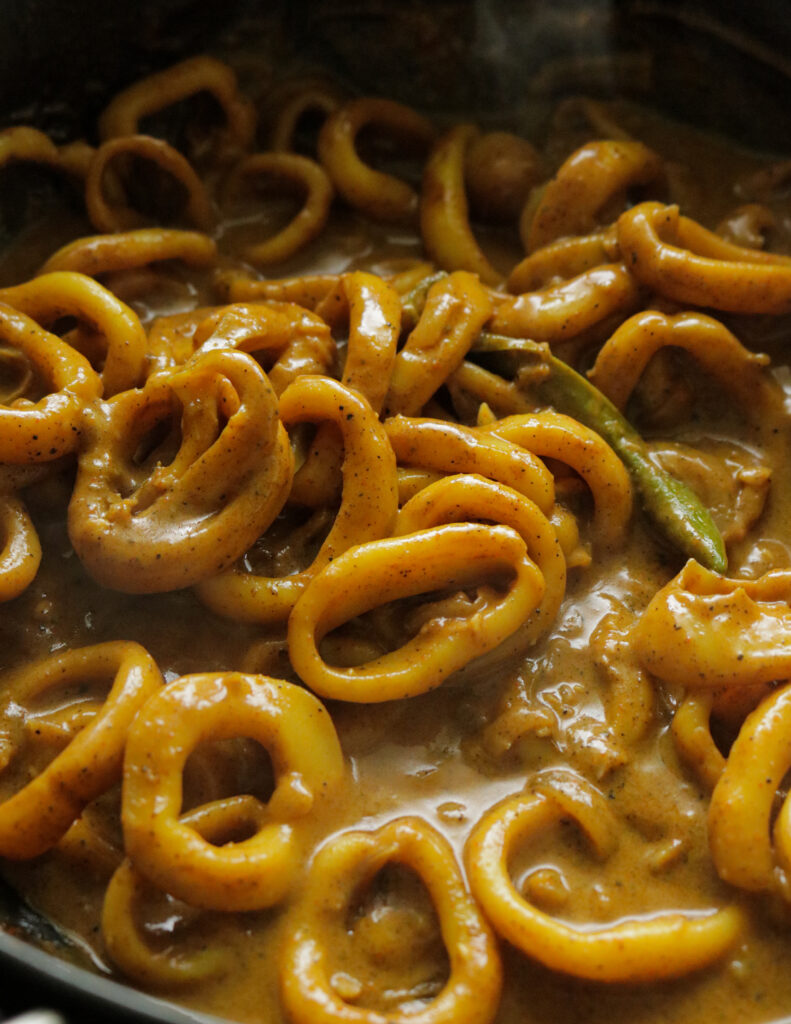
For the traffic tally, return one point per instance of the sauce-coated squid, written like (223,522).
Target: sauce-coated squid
(472,991)
(456,556)
(35,817)
(148,517)
(96,255)
(297,731)
(20,554)
(663,946)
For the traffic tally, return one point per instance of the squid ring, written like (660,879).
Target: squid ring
(345,864)
(38,815)
(368,506)
(123,942)
(458,498)
(692,735)
(128,250)
(160,523)
(121,217)
(294,728)
(665,946)
(368,575)
(380,196)
(589,180)
(20,555)
(444,215)
(562,259)
(290,170)
(373,308)
(42,432)
(556,436)
(742,802)
(743,281)
(456,309)
(452,448)
(313,95)
(49,297)
(624,357)
(156,92)
(562,311)
(301,341)
(25,144)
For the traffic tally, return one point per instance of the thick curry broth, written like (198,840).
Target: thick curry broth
(442,755)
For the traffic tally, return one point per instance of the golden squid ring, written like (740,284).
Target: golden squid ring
(368,509)
(444,214)
(171,338)
(444,447)
(118,216)
(340,869)
(308,290)
(20,554)
(38,815)
(313,96)
(196,502)
(373,309)
(381,196)
(623,358)
(562,259)
(556,436)
(29,145)
(299,735)
(45,430)
(589,181)
(691,730)
(461,498)
(294,173)
(456,556)
(64,293)
(180,81)
(95,255)
(456,309)
(743,281)
(562,311)
(122,939)
(704,631)
(664,946)
(301,342)
(742,803)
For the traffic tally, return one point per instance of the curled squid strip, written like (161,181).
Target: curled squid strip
(444,216)
(172,854)
(313,96)
(180,81)
(300,341)
(456,309)
(378,195)
(20,554)
(171,339)
(49,428)
(563,259)
(23,144)
(369,575)
(144,520)
(117,329)
(705,631)
(471,387)
(462,498)
(688,264)
(692,736)
(116,215)
(346,863)
(562,311)
(295,174)
(743,801)
(127,948)
(369,501)
(442,447)
(96,255)
(556,436)
(623,358)
(666,945)
(308,290)
(589,182)
(373,309)
(40,813)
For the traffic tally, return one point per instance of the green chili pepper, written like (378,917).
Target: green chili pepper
(669,503)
